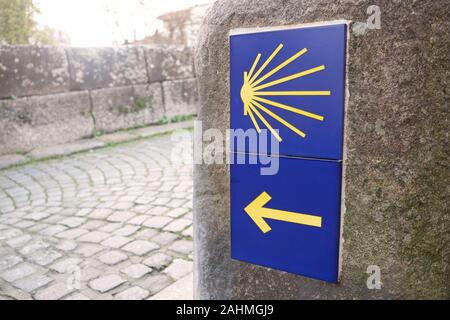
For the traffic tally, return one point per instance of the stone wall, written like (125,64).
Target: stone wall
(396,153)
(53,95)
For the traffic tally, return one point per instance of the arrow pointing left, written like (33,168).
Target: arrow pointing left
(258,213)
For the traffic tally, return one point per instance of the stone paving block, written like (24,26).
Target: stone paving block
(89,273)
(54,292)
(93,224)
(116,241)
(100,213)
(72,222)
(44,257)
(106,283)
(77,296)
(32,283)
(110,227)
(33,246)
(178,225)
(177,212)
(94,236)
(141,247)
(158,211)
(181,246)
(164,238)
(66,149)
(19,241)
(18,272)
(29,70)
(179,268)
(65,265)
(158,261)
(10,233)
(10,160)
(127,107)
(136,271)
(112,257)
(52,230)
(126,230)
(72,233)
(37,216)
(88,249)
(66,245)
(157,222)
(146,234)
(121,216)
(182,289)
(7,261)
(154,282)
(40,122)
(189,232)
(138,220)
(133,293)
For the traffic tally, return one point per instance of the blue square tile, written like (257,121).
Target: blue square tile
(293,81)
(288,221)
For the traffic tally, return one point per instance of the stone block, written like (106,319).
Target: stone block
(41,121)
(180,97)
(169,63)
(395,154)
(93,68)
(127,107)
(32,70)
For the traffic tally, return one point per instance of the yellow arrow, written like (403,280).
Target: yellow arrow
(258,213)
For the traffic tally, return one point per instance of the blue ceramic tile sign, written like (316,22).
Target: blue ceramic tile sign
(290,82)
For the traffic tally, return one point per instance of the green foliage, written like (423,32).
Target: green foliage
(17,24)
(181,118)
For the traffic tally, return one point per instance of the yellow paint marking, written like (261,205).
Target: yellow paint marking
(255,63)
(245,105)
(274,53)
(260,116)
(280,66)
(292,93)
(258,214)
(276,117)
(291,77)
(254,120)
(289,108)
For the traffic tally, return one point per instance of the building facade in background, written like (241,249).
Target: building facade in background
(179,27)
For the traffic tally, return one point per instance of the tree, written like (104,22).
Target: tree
(17,24)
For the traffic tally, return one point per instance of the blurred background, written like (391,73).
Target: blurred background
(93,23)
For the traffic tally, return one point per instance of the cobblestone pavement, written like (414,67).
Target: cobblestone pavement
(115,223)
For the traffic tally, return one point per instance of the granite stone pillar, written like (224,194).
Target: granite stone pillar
(395,196)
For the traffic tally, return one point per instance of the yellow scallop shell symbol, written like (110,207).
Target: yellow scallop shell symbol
(252,93)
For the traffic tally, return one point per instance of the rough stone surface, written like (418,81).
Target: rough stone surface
(65,149)
(169,63)
(30,70)
(180,97)
(106,283)
(93,68)
(133,293)
(45,203)
(11,160)
(395,162)
(41,121)
(127,107)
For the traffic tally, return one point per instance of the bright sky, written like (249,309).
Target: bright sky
(106,22)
